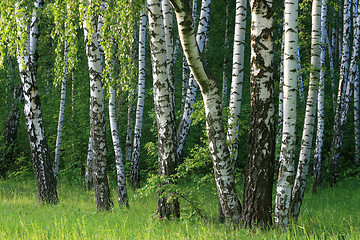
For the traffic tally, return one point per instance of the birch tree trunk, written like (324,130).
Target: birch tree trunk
(223,170)
(287,154)
(345,54)
(135,162)
(97,116)
(357,118)
(257,203)
(320,104)
(279,130)
(163,107)
(61,113)
(309,122)
(186,120)
(27,59)
(225,63)
(237,80)
(341,115)
(120,172)
(89,183)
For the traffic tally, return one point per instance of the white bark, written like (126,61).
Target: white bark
(89,166)
(345,54)
(357,117)
(97,115)
(225,63)
(341,115)
(162,102)
(61,113)
(120,172)
(223,169)
(287,154)
(320,104)
(27,61)
(237,79)
(186,120)
(309,122)
(301,82)
(140,104)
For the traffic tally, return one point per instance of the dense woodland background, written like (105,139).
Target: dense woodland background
(198,170)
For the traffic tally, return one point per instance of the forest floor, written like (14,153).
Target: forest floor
(334,213)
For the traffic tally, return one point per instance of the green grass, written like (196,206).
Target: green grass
(331,214)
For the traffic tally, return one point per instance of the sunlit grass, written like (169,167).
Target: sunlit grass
(331,214)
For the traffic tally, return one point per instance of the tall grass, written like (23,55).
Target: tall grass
(334,213)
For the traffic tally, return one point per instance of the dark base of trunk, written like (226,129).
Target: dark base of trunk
(167,209)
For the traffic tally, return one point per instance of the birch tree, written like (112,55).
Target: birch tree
(97,116)
(27,54)
(61,113)
(183,129)
(309,122)
(163,107)
(341,115)
(223,170)
(237,79)
(320,104)
(257,203)
(134,178)
(287,154)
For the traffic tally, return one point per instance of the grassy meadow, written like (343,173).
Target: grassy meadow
(334,213)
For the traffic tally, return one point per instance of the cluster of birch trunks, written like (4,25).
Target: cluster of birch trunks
(191,19)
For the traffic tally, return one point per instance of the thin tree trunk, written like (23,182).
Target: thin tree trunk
(163,107)
(237,80)
(357,118)
(257,203)
(135,162)
(341,115)
(332,70)
(186,120)
(223,170)
(301,82)
(27,60)
(89,183)
(309,122)
(279,131)
(97,115)
(225,63)
(130,125)
(320,105)
(287,154)
(120,172)
(61,113)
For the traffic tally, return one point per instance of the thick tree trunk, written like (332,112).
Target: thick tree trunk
(237,80)
(257,204)
(163,107)
(223,170)
(320,105)
(135,162)
(287,154)
(309,122)
(61,113)
(186,120)
(27,60)
(341,114)
(97,116)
